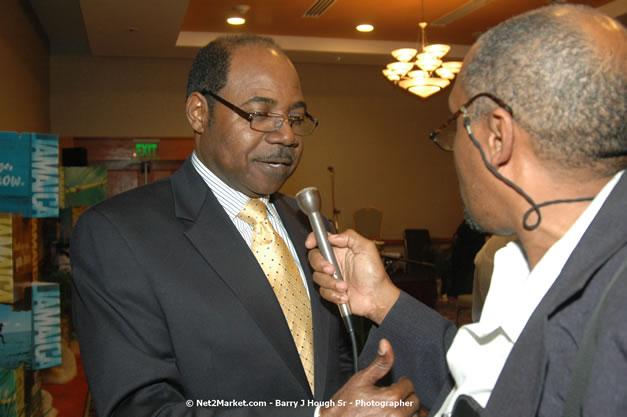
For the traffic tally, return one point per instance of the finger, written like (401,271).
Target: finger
(381,365)
(412,405)
(331,289)
(328,282)
(334,296)
(318,263)
(341,240)
(405,387)
(352,239)
(403,393)
(311,241)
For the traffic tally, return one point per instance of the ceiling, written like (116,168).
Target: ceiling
(177,28)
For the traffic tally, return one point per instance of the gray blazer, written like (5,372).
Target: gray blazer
(171,305)
(535,378)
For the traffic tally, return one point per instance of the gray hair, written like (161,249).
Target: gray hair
(567,91)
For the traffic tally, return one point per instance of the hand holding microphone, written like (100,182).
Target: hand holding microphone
(372,293)
(309,202)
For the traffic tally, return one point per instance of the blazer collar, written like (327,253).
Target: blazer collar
(601,240)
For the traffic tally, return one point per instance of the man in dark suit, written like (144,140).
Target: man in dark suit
(174,313)
(538,134)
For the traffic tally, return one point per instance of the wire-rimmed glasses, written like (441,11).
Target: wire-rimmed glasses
(271,122)
(444,136)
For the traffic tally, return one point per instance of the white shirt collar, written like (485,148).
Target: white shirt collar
(232,200)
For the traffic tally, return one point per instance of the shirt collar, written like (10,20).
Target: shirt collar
(231,200)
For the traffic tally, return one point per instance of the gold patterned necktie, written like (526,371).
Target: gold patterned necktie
(277,263)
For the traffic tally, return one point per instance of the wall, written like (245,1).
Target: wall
(24,72)
(372,133)
(376,138)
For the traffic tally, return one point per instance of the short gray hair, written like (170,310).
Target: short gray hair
(565,90)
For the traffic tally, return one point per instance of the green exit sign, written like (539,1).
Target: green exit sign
(147,150)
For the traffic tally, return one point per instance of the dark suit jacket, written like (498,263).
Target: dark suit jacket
(535,378)
(171,305)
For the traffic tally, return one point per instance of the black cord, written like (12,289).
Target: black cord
(351,333)
(534,207)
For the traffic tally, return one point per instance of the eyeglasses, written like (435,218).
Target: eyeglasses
(444,136)
(271,122)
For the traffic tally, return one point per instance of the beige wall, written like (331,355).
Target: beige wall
(24,72)
(376,138)
(372,133)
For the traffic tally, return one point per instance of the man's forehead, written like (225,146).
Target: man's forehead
(243,52)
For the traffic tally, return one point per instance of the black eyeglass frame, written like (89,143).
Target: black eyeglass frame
(250,117)
(464,110)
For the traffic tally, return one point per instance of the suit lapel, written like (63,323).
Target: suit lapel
(215,237)
(603,238)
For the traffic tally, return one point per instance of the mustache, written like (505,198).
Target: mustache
(283,154)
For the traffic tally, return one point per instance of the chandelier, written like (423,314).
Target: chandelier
(422,72)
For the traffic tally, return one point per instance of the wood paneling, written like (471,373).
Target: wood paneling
(125,170)
(122,149)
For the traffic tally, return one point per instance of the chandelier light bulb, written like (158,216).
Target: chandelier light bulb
(391,75)
(404,54)
(427,62)
(453,66)
(437,50)
(424,91)
(445,73)
(401,68)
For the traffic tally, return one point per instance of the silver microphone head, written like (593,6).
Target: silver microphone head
(308,200)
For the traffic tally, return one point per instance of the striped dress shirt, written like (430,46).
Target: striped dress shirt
(233,201)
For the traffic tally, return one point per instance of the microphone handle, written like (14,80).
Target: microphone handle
(327,252)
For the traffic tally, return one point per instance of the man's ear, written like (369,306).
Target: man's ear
(501,138)
(197,111)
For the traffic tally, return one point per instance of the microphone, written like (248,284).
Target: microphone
(309,203)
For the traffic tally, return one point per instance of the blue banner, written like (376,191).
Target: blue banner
(29,174)
(14,164)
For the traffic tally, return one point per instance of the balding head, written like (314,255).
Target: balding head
(563,71)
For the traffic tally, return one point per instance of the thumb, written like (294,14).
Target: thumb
(381,365)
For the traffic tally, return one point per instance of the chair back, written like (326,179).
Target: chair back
(418,278)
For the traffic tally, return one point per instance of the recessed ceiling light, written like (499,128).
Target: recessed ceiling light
(365,28)
(236,20)
(237,16)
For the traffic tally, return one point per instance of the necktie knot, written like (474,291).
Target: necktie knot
(254,212)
